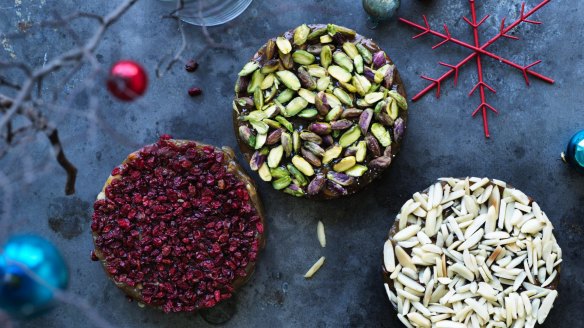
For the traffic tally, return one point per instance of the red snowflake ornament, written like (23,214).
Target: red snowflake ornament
(478,51)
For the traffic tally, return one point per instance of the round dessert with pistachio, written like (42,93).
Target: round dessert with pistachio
(178,225)
(319,111)
(471,252)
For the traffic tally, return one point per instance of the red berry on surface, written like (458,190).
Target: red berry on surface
(127,80)
(191,65)
(194,91)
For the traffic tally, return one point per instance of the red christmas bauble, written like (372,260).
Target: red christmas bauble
(127,80)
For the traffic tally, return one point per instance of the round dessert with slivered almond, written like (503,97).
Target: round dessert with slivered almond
(471,253)
(178,226)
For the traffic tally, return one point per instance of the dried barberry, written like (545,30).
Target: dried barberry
(165,225)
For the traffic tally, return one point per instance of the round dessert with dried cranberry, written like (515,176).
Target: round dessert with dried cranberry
(471,252)
(178,226)
(319,111)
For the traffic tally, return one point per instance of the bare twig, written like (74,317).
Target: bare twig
(29,106)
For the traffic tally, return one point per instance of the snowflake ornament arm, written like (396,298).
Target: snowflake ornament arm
(478,51)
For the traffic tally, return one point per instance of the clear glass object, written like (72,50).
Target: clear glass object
(210,12)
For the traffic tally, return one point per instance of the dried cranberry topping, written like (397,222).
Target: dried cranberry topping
(177,225)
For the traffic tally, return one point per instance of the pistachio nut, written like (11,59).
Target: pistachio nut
(381,134)
(310,157)
(306,80)
(323,83)
(308,95)
(356,171)
(274,137)
(340,178)
(344,164)
(365,53)
(303,57)
(398,129)
(320,128)
(308,113)
(256,80)
(303,166)
(247,136)
(361,151)
(283,45)
(285,123)
(270,66)
(289,79)
(350,49)
(260,140)
(381,162)
(275,156)
(365,120)
(296,141)
(249,68)
(379,59)
(314,148)
(297,175)
(295,106)
(310,136)
(301,34)
(343,96)
(294,190)
(358,61)
(341,59)
(401,101)
(257,159)
(339,73)
(282,183)
(279,172)
(331,153)
(341,124)
(264,172)
(326,56)
(350,136)
(270,49)
(315,186)
(334,114)
(287,143)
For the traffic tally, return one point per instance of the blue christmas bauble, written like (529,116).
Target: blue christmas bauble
(575,151)
(31,268)
(380,10)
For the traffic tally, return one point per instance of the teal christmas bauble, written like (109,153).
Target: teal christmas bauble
(31,268)
(380,10)
(575,151)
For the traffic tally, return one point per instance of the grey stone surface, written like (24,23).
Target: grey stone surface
(442,139)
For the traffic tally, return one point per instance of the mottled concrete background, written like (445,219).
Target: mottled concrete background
(442,140)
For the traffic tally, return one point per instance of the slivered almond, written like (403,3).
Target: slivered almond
(423,203)
(520,197)
(479,184)
(406,233)
(478,308)
(419,320)
(491,221)
(494,255)
(471,229)
(404,259)
(430,227)
(472,240)
(485,195)
(315,267)
(462,271)
(388,256)
(320,233)
(546,306)
(532,226)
